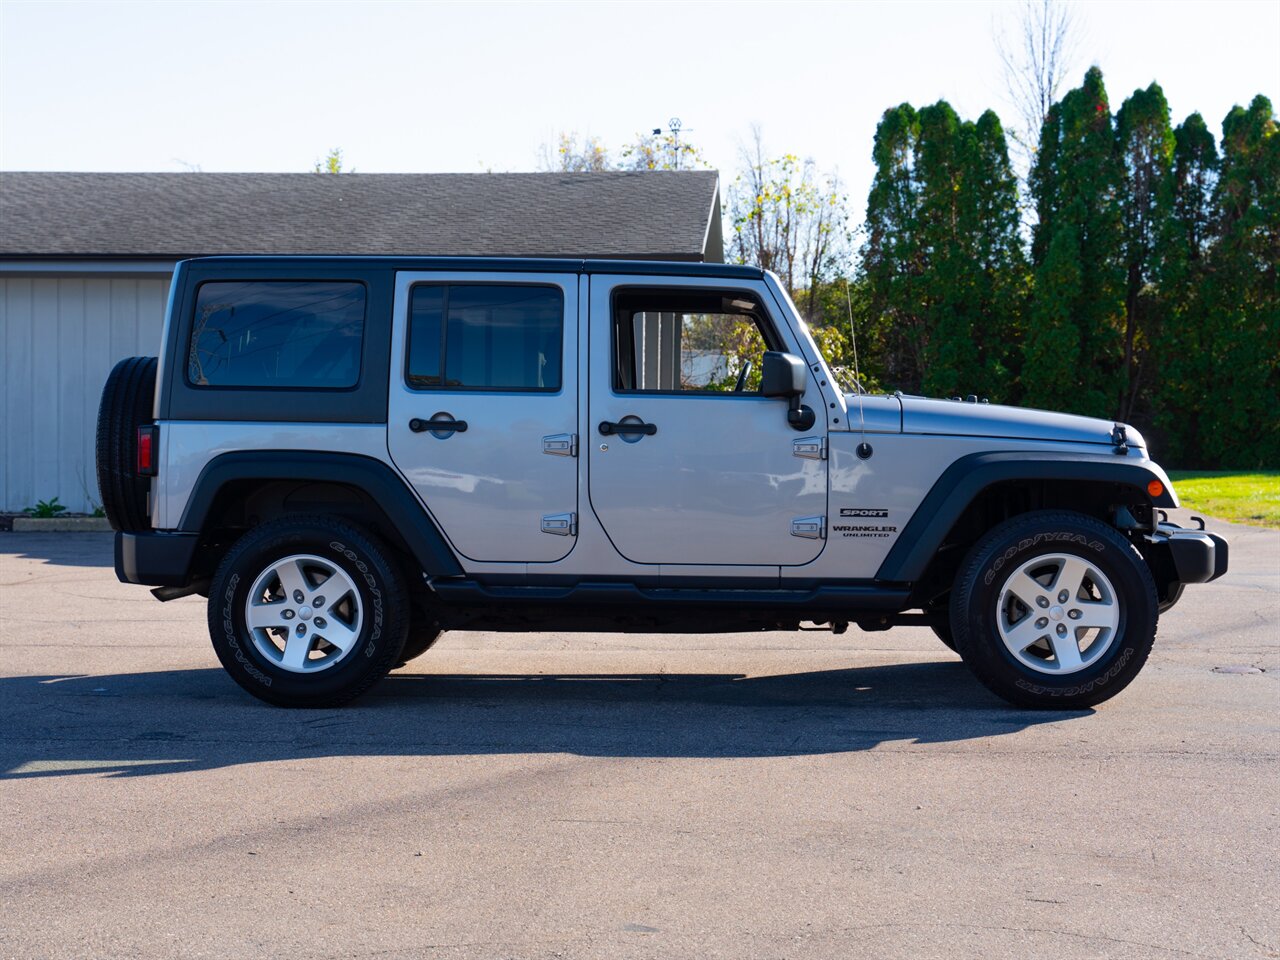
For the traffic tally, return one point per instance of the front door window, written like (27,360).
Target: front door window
(688,342)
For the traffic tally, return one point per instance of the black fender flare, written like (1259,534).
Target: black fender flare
(967,477)
(374,477)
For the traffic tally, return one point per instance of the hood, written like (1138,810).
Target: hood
(966,418)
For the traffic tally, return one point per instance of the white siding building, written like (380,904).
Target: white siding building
(62,333)
(85,261)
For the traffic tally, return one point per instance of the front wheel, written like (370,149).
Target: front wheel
(1054,610)
(942,630)
(307,611)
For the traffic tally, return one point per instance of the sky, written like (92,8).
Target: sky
(433,87)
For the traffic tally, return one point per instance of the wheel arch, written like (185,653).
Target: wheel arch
(958,507)
(246,487)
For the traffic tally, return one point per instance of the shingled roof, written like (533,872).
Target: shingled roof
(670,215)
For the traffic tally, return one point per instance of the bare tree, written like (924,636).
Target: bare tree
(787,217)
(569,155)
(657,150)
(1036,53)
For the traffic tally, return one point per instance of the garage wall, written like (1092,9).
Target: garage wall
(61,336)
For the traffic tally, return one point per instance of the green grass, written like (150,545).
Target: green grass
(1238,497)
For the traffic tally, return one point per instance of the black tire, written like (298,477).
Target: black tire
(1174,596)
(422,637)
(382,596)
(942,630)
(127,401)
(976,597)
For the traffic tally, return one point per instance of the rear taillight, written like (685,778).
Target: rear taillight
(148,442)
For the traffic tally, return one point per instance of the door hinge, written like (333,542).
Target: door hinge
(561,445)
(810,448)
(561,524)
(811,528)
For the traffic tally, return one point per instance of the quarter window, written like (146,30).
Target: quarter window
(277,333)
(485,337)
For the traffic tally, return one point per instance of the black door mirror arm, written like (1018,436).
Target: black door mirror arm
(799,415)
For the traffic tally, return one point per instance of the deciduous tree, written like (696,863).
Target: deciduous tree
(788,217)
(331,163)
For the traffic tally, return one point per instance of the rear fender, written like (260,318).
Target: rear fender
(375,478)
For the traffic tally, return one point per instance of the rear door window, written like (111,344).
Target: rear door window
(277,333)
(485,337)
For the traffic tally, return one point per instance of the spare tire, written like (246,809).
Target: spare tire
(127,400)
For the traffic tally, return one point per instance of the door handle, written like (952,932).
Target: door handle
(608,427)
(438,426)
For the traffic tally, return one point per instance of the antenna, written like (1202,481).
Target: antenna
(674,126)
(864,448)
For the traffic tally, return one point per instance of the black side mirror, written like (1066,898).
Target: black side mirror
(784,375)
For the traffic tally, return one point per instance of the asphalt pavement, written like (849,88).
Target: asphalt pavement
(611,796)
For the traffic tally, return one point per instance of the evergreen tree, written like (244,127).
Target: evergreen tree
(950,354)
(999,268)
(1077,250)
(1145,144)
(893,259)
(1240,425)
(1180,344)
(943,261)
(1052,349)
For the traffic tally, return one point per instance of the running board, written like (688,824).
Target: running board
(464,592)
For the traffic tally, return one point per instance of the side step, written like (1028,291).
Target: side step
(868,597)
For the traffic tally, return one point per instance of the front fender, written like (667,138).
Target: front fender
(963,481)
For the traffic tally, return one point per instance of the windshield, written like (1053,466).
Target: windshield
(841,376)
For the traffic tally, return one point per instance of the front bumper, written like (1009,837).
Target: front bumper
(155,558)
(1194,556)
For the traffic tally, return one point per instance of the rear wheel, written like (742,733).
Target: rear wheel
(1054,610)
(423,634)
(307,611)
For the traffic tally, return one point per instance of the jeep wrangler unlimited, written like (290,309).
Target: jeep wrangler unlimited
(349,455)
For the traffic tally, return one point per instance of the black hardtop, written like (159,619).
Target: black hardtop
(660,268)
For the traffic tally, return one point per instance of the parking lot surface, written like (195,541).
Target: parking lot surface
(581,796)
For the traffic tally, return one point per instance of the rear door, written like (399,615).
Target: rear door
(483,408)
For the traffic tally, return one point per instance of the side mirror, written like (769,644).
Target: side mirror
(784,375)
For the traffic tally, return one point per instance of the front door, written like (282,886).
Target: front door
(483,409)
(689,464)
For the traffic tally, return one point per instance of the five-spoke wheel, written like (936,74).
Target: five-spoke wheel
(308,611)
(304,613)
(1054,609)
(1057,613)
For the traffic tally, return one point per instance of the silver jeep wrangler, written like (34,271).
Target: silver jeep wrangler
(350,455)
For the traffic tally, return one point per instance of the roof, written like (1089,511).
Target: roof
(682,268)
(669,215)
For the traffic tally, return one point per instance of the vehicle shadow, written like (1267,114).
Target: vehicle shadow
(61,549)
(185,720)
